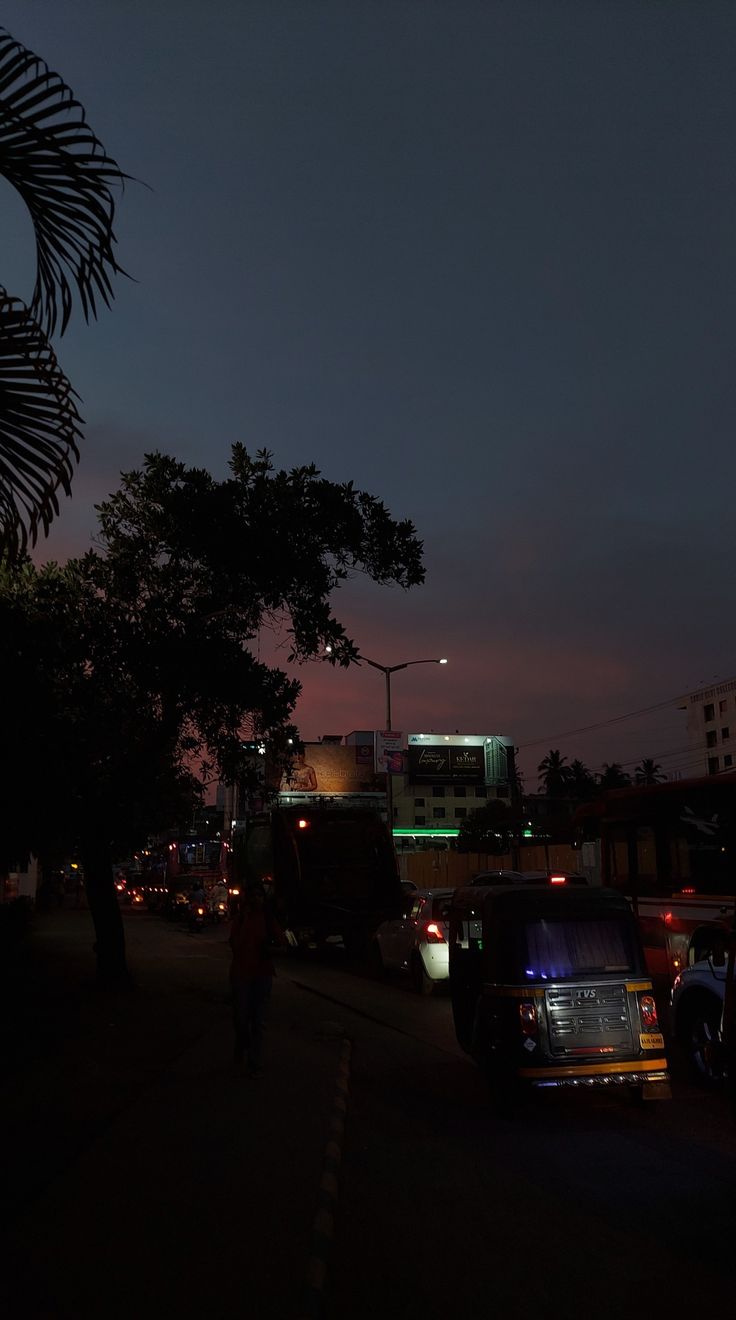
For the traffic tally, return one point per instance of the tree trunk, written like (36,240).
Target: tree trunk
(112,968)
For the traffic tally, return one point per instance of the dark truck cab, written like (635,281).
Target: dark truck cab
(331,871)
(549,989)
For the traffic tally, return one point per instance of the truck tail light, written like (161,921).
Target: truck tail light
(433,933)
(648,1013)
(528,1017)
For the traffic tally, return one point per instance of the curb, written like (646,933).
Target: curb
(323,1225)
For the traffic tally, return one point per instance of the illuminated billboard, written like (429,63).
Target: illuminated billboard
(458,758)
(329,769)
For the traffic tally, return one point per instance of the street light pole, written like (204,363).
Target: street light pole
(388,670)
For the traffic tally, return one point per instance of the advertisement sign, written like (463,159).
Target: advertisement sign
(389,756)
(458,758)
(328,768)
(444,764)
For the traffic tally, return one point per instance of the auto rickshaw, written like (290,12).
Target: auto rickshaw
(549,989)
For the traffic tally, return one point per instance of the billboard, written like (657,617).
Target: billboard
(389,756)
(329,768)
(458,758)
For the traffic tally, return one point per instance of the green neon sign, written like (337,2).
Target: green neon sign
(425,834)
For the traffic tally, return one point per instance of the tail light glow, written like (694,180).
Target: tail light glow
(433,933)
(648,1011)
(302,824)
(558,879)
(528,1017)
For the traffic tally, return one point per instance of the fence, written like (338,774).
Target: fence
(447,870)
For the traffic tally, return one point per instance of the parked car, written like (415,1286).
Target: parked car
(417,942)
(698,995)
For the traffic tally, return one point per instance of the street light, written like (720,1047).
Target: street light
(388,670)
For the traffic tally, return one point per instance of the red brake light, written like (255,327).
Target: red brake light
(689,889)
(528,1017)
(648,1011)
(302,824)
(558,879)
(433,933)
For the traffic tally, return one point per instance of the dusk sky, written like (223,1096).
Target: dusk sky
(476,257)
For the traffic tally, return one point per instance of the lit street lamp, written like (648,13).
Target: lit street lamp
(388,670)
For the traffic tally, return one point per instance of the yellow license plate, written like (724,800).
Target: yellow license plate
(651,1040)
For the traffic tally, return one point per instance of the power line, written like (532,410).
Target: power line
(602,724)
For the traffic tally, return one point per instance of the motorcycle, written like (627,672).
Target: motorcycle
(197,916)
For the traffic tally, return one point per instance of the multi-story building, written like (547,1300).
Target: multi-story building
(711,728)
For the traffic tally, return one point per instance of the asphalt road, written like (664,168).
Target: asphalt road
(584,1205)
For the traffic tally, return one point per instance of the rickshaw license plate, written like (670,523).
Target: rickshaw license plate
(651,1040)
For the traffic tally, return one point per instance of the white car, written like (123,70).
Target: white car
(417,943)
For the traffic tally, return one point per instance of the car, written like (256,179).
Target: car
(500,877)
(417,942)
(698,996)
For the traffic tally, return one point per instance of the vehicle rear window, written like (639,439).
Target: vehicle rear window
(556,949)
(441,908)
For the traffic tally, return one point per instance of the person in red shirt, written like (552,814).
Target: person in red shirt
(253,932)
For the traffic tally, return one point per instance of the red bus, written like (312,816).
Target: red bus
(671,849)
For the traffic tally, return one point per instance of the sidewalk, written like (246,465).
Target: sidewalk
(140,1178)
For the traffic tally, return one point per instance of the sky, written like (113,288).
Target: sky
(476,257)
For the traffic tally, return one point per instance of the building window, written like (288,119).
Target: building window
(481,791)
(712,765)
(459,791)
(727,762)
(461,812)
(438,813)
(709,713)
(419,802)
(711,738)
(438,791)
(722,707)
(725,733)
(420,820)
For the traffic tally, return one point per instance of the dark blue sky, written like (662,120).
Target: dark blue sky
(478,258)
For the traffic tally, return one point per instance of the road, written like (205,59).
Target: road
(584,1205)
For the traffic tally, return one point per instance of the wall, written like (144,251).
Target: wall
(447,870)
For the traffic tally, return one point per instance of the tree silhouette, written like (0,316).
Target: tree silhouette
(614,776)
(63,174)
(648,771)
(554,774)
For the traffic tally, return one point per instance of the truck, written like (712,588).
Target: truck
(330,871)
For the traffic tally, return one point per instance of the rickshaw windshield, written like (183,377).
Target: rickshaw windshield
(553,948)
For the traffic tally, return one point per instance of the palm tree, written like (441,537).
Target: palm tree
(554,774)
(614,776)
(63,174)
(648,772)
(581,783)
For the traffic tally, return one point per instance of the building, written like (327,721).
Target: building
(711,728)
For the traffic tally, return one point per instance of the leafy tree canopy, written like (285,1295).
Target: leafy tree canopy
(132,669)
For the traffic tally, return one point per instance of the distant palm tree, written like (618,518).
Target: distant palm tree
(613,776)
(648,772)
(63,174)
(554,774)
(581,781)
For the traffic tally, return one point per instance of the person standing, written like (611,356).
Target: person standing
(253,932)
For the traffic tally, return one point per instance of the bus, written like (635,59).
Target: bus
(671,849)
(196,859)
